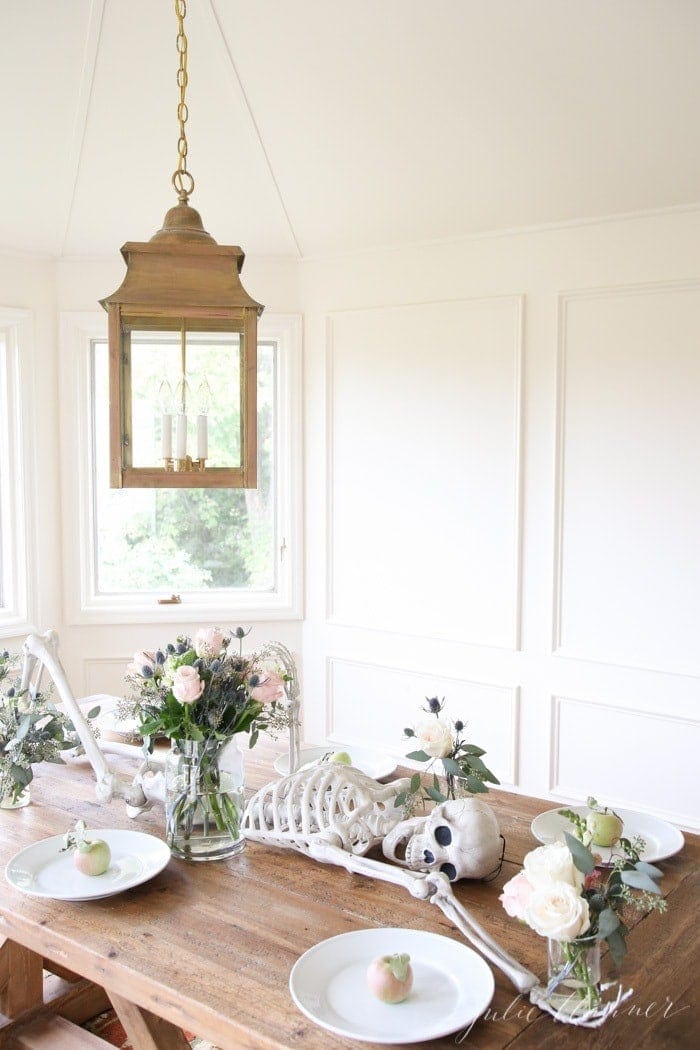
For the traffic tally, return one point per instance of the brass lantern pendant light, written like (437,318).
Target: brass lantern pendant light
(182,349)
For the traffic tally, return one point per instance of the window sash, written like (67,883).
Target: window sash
(83,602)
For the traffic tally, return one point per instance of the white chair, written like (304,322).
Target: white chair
(40,655)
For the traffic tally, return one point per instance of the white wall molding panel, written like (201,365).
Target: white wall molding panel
(627,559)
(591,743)
(423,413)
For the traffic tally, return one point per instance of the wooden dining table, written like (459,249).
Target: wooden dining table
(207,948)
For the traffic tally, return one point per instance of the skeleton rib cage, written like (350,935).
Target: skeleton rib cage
(338,804)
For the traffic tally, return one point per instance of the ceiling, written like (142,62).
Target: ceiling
(320,127)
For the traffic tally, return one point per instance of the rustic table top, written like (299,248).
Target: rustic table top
(210,946)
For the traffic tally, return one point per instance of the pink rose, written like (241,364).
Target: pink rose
(187,685)
(209,641)
(141,660)
(270,687)
(516,895)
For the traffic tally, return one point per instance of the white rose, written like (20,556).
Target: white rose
(435,738)
(552,863)
(558,912)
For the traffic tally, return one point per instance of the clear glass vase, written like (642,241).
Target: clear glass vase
(204,799)
(573,976)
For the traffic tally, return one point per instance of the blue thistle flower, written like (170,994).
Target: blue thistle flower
(240,633)
(11,691)
(160,656)
(459,725)
(170,648)
(254,680)
(215,665)
(181,648)
(434,705)
(146,671)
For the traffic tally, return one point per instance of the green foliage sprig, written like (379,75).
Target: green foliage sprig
(461,761)
(32,730)
(609,889)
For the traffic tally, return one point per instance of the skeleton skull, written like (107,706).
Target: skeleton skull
(460,838)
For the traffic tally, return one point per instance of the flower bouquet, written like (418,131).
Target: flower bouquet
(465,772)
(563,895)
(31,731)
(199,693)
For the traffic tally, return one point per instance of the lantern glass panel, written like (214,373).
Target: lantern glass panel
(201,418)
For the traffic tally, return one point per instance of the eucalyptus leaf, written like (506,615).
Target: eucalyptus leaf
(25,725)
(400,799)
(21,775)
(649,869)
(415,782)
(408,732)
(607,922)
(418,756)
(450,766)
(638,880)
(582,857)
(476,786)
(435,795)
(93,712)
(617,946)
(472,749)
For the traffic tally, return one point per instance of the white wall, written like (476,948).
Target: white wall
(501,497)
(503,502)
(29,284)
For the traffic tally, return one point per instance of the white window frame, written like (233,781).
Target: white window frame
(16,404)
(83,605)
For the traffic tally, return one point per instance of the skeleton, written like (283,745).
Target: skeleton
(335,814)
(460,838)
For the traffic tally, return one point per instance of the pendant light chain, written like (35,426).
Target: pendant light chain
(182,179)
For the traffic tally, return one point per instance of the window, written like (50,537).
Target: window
(13,502)
(229,549)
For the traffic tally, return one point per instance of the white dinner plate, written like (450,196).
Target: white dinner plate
(42,870)
(374,763)
(452,986)
(662,839)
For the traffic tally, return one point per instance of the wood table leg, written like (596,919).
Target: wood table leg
(147,1031)
(21,979)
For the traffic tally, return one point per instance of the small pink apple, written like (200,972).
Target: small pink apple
(390,977)
(92,858)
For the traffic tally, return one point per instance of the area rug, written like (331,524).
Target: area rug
(108,1027)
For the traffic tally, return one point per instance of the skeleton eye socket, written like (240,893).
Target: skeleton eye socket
(443,835)
(449,870)
(428,857)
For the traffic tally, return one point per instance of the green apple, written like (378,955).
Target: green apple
(342,757)
(605,828)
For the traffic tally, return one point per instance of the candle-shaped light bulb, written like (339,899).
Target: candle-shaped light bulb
(204,400)
(204,396)
(181,397)
(165,405)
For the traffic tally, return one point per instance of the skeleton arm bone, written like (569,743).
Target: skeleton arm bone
(445,899)
(438,890)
